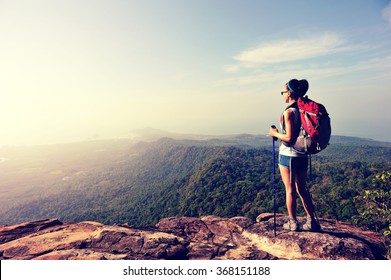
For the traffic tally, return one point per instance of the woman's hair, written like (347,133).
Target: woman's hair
(297,88)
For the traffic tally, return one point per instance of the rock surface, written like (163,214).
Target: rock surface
(189,238)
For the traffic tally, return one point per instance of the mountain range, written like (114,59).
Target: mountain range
(157,175)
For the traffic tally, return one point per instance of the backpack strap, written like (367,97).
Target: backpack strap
(295,107)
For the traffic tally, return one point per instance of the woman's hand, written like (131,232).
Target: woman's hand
(273,131)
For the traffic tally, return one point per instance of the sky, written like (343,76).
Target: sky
(91,69)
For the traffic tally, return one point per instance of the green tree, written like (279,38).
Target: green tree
(375,204)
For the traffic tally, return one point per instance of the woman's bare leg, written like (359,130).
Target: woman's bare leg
(290,191)
(300,182)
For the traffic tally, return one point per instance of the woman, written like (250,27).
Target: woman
(293,165)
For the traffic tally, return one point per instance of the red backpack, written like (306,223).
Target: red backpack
(315,130)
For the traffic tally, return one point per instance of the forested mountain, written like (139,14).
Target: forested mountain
(124,181)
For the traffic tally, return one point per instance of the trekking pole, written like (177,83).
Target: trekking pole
(274,139)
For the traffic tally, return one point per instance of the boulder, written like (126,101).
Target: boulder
(206,238)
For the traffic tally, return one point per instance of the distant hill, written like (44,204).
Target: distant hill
(140,181)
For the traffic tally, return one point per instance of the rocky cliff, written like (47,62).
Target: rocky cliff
(188,238)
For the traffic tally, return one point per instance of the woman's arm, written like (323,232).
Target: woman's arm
(288,137)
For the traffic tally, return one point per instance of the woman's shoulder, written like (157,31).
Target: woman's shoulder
(290,112)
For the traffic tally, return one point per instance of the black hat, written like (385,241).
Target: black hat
(299,88)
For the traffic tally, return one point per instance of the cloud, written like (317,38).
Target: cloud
(231,68)
(386,13)
(287,50)
(378,67)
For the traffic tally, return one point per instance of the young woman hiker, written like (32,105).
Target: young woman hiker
(293,165)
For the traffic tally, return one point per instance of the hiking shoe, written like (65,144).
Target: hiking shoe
(311,225)
(291,225)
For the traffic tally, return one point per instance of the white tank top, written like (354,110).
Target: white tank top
(284,148)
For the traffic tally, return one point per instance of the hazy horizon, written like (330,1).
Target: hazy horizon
(81,70)
(152,134)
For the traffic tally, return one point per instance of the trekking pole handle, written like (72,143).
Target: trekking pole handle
(274,127)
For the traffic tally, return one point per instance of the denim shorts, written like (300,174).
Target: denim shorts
(298,163)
